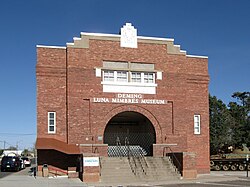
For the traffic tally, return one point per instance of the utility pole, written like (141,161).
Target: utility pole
(4,143)
(17,144)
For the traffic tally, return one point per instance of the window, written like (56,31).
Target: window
(128,72)
(148,77)
(108,75)
(197,125)
(136,77)
(51,122)
(128,77)
(122,76)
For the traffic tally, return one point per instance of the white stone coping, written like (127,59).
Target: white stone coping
(54,47)
(100,34)
(196,56)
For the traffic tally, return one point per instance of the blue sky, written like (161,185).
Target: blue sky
(219,29)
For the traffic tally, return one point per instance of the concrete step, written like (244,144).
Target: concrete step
(111,173)
(155,168)
(120,180)
(116,170)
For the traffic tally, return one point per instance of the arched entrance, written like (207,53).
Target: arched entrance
(132,126)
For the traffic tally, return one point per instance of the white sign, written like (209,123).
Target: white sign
(128,36)
(90,161)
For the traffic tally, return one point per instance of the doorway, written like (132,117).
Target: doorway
(132,127)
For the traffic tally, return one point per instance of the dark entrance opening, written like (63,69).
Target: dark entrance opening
(132,126)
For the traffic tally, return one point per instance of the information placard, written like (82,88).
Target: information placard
(90,161)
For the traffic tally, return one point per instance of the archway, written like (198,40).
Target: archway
(132,126)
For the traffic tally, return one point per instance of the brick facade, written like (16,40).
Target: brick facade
(67,83)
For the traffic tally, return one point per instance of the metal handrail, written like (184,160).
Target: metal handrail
(143,170)
(130,154)
(52,168)
(171,151)
(126,145)
(118,144)
(143,157)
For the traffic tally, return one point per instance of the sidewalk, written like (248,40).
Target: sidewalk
(29,181)
(214,176)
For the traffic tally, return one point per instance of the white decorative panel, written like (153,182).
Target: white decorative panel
(98,72)
(159,75)
(128,36)
(129,89)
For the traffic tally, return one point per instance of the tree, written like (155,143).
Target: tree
(12,148)
(221,123)
(25,152)
(240,110)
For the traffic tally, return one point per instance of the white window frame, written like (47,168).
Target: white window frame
(136,78)
(143,77)
(109,77)
(54,125)
(121,78)
(197,124)
(146,77)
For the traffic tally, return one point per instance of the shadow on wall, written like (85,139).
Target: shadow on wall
(57,159)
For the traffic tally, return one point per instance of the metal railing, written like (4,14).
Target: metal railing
(143,161)
(130,155)
(135,155)
(119,147)
(56,171)
(173,158)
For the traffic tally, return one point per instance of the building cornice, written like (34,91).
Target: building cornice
(54,47)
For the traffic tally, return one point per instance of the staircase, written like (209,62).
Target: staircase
(160,169)
(116,169)
(137,169)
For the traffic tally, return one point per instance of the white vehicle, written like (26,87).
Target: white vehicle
(22,165)
(26,161)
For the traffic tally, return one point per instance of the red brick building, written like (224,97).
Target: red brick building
(104,86)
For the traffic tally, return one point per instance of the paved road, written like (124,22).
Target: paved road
(19,173)
(216,179)
(237,183)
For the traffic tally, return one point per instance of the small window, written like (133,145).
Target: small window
(122,76)
(51,122)
(148,77)
(135,76)
(108,76)
(197,125)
